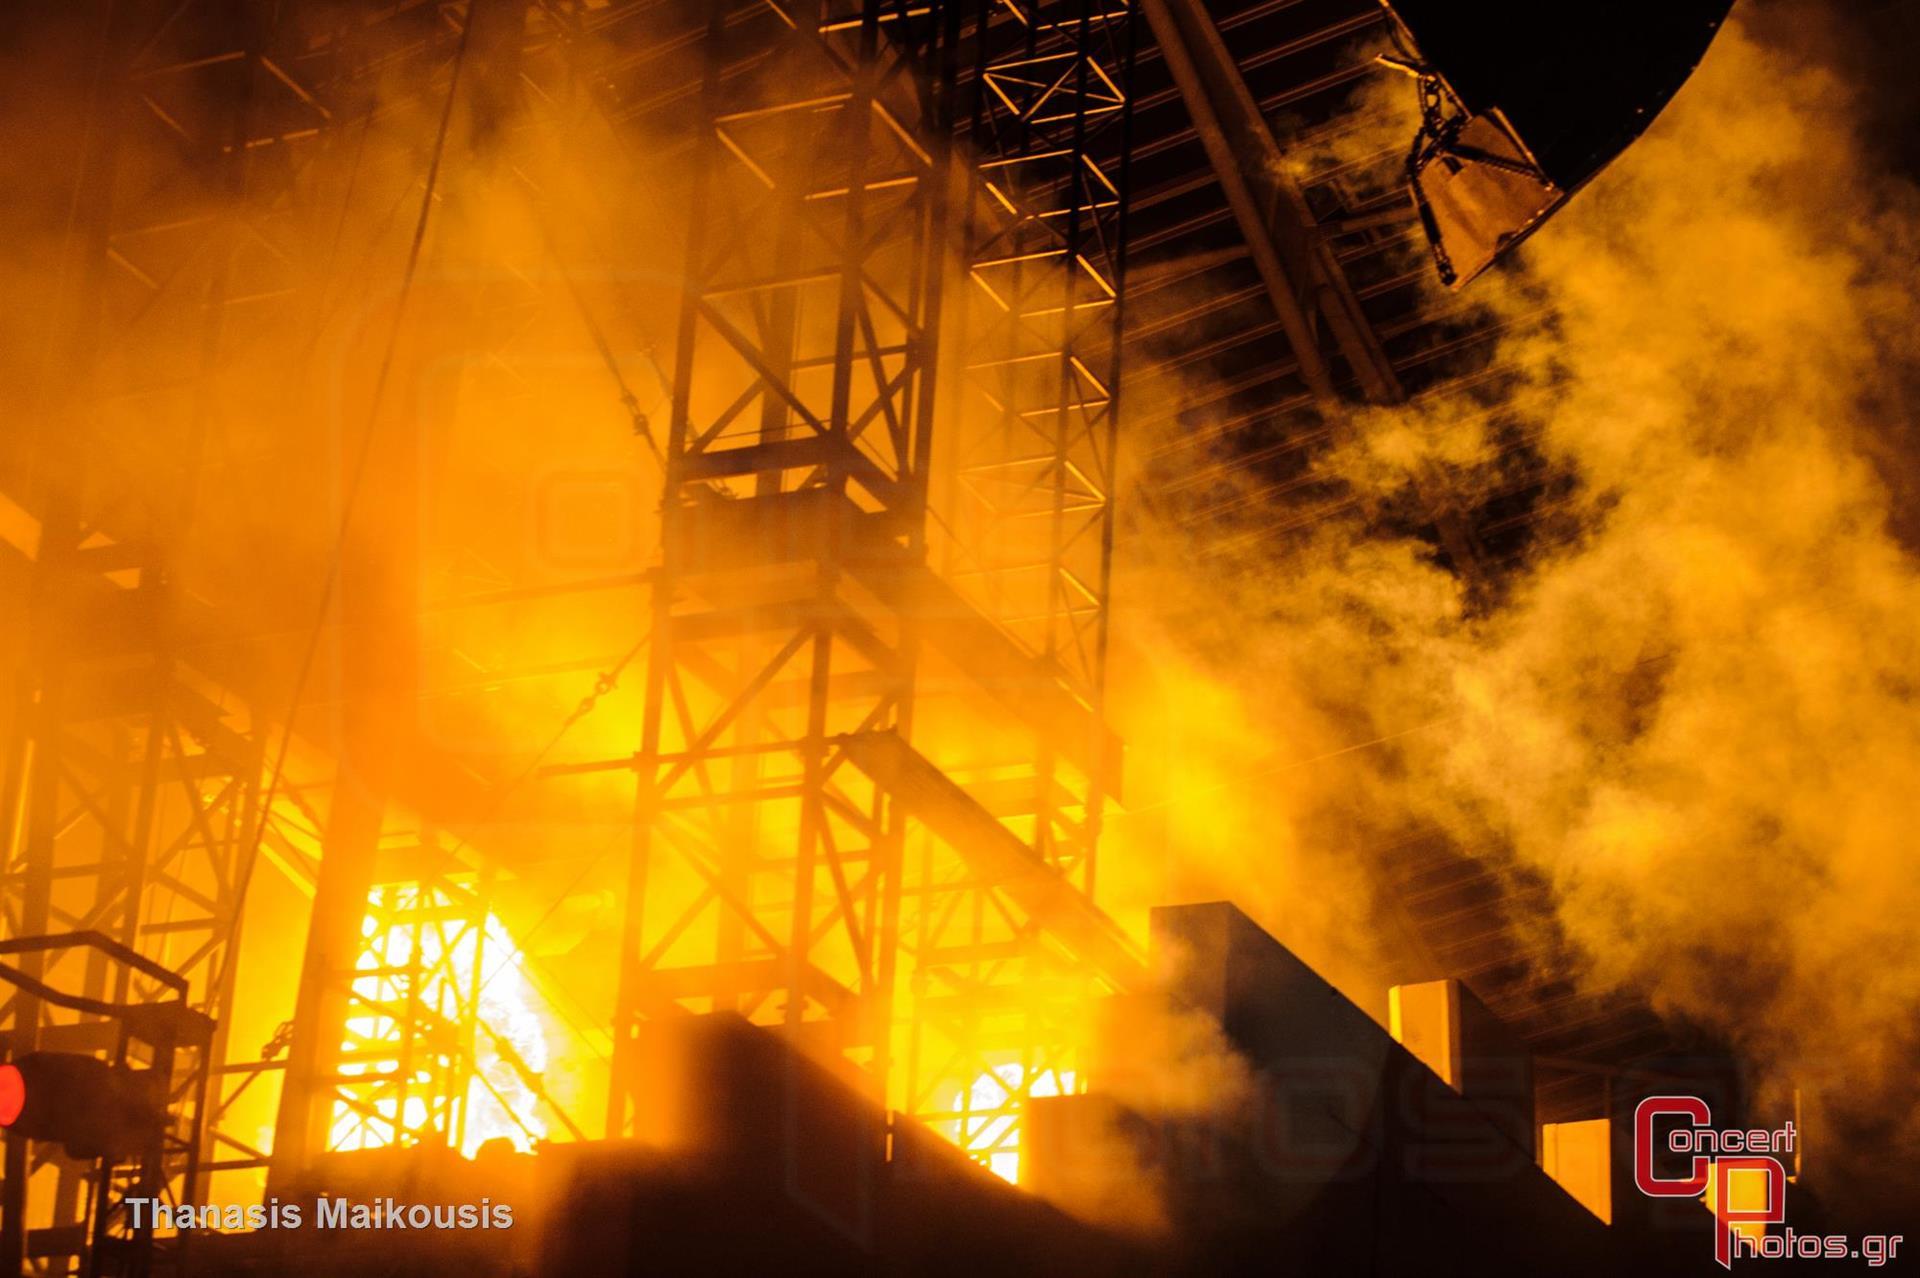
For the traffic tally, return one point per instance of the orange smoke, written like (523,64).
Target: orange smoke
(1692,707)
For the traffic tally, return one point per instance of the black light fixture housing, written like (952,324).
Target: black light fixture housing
(1519,111)
(95,1109)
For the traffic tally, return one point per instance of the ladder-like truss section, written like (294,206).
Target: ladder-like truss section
(1026,538)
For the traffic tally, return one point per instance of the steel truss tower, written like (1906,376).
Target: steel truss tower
(798,859)
(905,212)
(1028,479)
(132,781)
(765,876)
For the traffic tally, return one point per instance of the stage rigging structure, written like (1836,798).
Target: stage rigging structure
(907,219)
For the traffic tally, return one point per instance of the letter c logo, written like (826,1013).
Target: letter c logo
(1662,1186)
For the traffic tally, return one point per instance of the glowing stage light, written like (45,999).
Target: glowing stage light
(93,1108)
(13,1094)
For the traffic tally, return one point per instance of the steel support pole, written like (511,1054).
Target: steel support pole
(377,610)
(1302,277)
(1297,265)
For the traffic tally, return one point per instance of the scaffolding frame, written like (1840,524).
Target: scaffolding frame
(130,787)
(407,1054)
(810,320)
(778,783)
(776,774)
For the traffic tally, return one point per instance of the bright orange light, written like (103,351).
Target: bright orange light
(450,970)
(989,1125)
(1747,1191)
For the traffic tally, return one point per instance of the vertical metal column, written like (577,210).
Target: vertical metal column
(368,1061)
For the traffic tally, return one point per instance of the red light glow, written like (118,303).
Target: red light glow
(13,1094)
